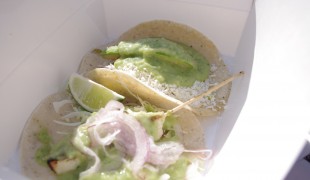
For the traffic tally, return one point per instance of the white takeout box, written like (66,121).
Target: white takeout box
(266,121)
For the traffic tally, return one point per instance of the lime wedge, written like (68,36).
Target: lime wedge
(89,94)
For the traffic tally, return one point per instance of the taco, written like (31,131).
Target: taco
(171,61)
(44,126)
(59,142)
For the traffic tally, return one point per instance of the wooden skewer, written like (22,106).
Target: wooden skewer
(212,89)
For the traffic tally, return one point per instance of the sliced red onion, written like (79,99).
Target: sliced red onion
(114,106)
(165,153)
(103,134)
(139,147)
(107,140)
(112,124)
(86,150)
(58,104)
(72,124)
(81,114)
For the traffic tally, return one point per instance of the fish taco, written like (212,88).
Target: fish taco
(171,60)
(63,141)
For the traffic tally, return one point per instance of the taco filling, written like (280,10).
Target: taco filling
(123,142)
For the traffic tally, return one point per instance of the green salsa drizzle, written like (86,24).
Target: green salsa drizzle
(166,61)
(42,154)
(61,150)
(175,171)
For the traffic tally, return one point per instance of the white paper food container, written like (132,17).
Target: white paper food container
(266,121)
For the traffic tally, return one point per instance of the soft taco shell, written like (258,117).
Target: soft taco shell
(176,32)
(42,117)
(130,87)
(93,60)
(190,133)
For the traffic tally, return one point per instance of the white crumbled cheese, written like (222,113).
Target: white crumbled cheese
(181,93)
(213,68)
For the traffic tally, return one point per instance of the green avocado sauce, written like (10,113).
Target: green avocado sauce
(178,169)
(41,155)
(123,174)
(167,61)
(57,151)
(152,120)
(175,171)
